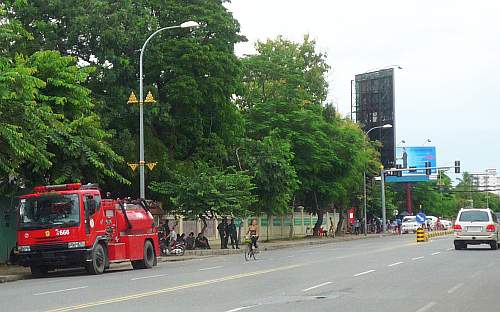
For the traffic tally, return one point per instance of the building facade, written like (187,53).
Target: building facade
(487,181)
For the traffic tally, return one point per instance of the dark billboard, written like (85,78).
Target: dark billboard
(374,107)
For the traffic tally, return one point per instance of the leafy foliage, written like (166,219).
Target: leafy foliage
(270,162)
(198,188)
(49,132)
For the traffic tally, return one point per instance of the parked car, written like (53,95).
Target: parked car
(409,224)
(474,227)
(447,224)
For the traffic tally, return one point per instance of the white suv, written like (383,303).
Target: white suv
(474,227)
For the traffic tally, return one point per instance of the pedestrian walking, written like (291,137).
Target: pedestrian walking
(398,224)
(231,228)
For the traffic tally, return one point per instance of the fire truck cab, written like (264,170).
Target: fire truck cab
(71,225)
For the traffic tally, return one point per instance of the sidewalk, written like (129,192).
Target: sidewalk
(9,273)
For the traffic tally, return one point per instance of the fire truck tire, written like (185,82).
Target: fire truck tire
(149,257)
(98,263)
(39,270)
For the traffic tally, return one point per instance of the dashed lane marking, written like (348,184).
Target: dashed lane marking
(317,286)
(59,291)
(454,288)
(363,273)
(426,307)
(145,277)
(211,268)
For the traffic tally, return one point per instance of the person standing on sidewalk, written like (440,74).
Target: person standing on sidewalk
(398,224)
(356,227)
(222,228)
(231,228)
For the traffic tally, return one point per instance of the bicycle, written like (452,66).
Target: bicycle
(249,250)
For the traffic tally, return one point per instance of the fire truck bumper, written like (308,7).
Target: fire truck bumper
(56,258)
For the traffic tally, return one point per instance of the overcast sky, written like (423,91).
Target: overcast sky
(448,89)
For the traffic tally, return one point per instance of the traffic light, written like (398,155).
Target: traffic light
(457,166)
(428,168)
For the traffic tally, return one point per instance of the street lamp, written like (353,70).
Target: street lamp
(386,126)
(189,24)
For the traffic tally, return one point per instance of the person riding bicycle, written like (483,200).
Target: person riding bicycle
(253,233)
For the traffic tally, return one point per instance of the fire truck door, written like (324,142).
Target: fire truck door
(90,210)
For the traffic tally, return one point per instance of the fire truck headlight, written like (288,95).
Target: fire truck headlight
(76,245)
(23,248)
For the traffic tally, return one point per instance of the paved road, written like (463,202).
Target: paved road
(383,274)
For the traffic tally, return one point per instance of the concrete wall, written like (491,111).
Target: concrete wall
(272,227)
(8,224)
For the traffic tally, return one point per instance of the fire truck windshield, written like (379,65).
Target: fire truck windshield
(49,210)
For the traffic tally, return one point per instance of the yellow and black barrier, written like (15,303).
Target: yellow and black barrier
(421,235)
(440,233)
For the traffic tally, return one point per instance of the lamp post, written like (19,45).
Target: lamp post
(364,184)
(190,24)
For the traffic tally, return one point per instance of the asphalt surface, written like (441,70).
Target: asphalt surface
(382,274)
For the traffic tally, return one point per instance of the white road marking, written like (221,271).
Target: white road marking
(289,256)
(457,286)
(396,263)
(241,308)
(211,268)
(363,273)
(417,258)
(426,307)
(450,249)
(435,253)
(144,277)
(317,286)
(58,291)
(476,274)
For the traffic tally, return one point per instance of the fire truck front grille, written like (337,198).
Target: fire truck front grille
(49,247)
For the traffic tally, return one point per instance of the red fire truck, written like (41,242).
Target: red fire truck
(71,225)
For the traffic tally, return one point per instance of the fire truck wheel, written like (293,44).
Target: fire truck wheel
(149,257)
(98,263)
(39,270)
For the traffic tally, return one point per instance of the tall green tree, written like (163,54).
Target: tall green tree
(192,74)
(284,93)
(49,132)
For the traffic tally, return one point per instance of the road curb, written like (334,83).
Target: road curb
(13,278)
(196,254)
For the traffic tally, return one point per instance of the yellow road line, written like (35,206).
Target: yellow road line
(172,289)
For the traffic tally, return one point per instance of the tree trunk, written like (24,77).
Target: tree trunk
(320,213)
(204,227)
(318,224)
(340,223)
